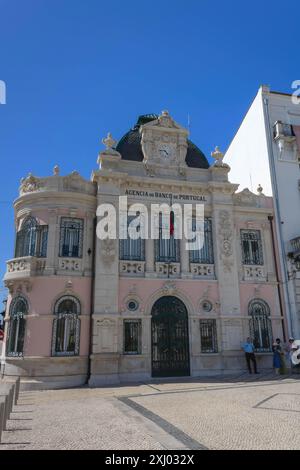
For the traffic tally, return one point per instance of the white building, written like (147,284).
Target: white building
(265,151)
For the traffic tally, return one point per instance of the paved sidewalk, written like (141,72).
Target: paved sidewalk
(245,412)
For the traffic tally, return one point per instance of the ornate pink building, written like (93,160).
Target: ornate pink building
(81,310)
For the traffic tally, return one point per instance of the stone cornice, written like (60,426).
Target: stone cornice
(43,199)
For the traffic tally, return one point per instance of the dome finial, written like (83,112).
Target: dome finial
(218,156)
(108,141)
(260,189)
(56,170)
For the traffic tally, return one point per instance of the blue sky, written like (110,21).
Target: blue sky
(76,69)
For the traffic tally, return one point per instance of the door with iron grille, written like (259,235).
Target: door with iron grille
(170,338)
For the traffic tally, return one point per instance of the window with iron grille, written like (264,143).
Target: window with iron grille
(130,249)
(208,335)
(66,327)
(16,327)
(167,248)
(252,253)
(132,336)
(260,325)
(204,254)
(71,238)
(32,239)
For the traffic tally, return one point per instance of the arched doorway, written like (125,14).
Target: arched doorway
(170,338)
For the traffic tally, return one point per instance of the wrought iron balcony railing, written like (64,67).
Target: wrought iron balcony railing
(295,244)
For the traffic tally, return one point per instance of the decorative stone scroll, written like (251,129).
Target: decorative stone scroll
(30,184)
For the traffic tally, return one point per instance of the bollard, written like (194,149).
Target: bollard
(17,391)
(4,402)
(16,382)
(9,391)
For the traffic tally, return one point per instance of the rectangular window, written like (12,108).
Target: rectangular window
(132,336)
(252,247)
(166,249)
(71,238)
(203,254)
(42,241)
(132,250)
(208,335)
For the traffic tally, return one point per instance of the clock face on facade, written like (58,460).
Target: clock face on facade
(165,150)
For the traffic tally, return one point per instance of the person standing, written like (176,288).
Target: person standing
(248,348)
(278,357)
(291,348)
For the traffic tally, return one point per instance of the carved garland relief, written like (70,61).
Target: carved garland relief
(225,238)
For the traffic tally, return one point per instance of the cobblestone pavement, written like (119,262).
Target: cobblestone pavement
(242,412)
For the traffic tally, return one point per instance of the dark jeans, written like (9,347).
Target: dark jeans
(251,357)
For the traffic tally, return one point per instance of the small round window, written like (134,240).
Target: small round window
(207,306)
(132,305)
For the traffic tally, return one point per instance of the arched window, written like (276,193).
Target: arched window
(66,327)
(260,325)
(32,239)
(16,327)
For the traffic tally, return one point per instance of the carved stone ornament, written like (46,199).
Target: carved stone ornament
(218,157)
(149,169)
(30,184)
(246,197)
(260,190)
(108,250)
(169,288)
(75,182)
(165,120)
(109,142)
(10,285)
(56,170)
(69,285)
(226,235)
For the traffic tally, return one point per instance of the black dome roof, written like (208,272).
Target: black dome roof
(130,146)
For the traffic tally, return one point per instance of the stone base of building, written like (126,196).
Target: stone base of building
(109,369)
(47,372)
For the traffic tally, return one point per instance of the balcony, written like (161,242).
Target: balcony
(283,131)
(254,273)
(205,271)
(286,141)
(25,267)
(295,244)
(132,268)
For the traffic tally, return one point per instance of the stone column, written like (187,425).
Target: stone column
(149,257)
(53,242)
(226,263)
(184,258)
